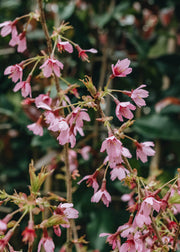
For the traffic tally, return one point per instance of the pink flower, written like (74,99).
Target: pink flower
(4,241)
(20,41)
(43,101)
(102,194)
(128,246)
(144,150)
(82,53)
(91,181)
(22,46)
(24,86)
(85,152)
(123,109)
(64,46)
(8,27)
(36,128)
(115,151)
(67,210)
(143,216)
(119,172)
(138,94)
(73,162)
(121,69)
(4,221)
(75,120)
(51,65)
(113,239)
(47,243)
(29,233)
(15,72)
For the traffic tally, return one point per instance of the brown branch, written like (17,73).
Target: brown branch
(58,89)
(44,26)
(156,231)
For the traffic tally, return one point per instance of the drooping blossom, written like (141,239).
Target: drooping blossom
(47,243)
(4,222)
(82,52)
(121,69)
(123,109)
(29,233)
(4,241)
(15,71)
(128,197)
(8,27)
(24,86)
(115,151)
(138,94)
(102,194)
(119,172)
(67,212)
(20,41)
(73,162)
(36,128)
(91,181)
(22,44)
(64,46)
(143,216)
(113,239)
(75,121)
(85,152)
(43,101)
(51,65)
(143,150)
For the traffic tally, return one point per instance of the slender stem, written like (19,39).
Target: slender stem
(44,26)
(69,196)
(156,231)
(127,164)
(68,174)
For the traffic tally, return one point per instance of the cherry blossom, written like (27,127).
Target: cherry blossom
(138,94)
(47,243)
(24,86)
(143,216)
(144,150)
(121,69)
(64,46)
(20,41)
(82,52)
(15,71)
(4,221)
(119,172)
(51,65)
(102,194)
(115,151)
(123,110)
(4,241)
(36,128)
(113,239)
(85,152)
(9,27)
(43,101)
(29,233)
(91,181)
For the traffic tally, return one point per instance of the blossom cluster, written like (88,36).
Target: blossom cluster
(150,226)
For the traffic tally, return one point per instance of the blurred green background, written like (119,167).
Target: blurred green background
(148,33)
